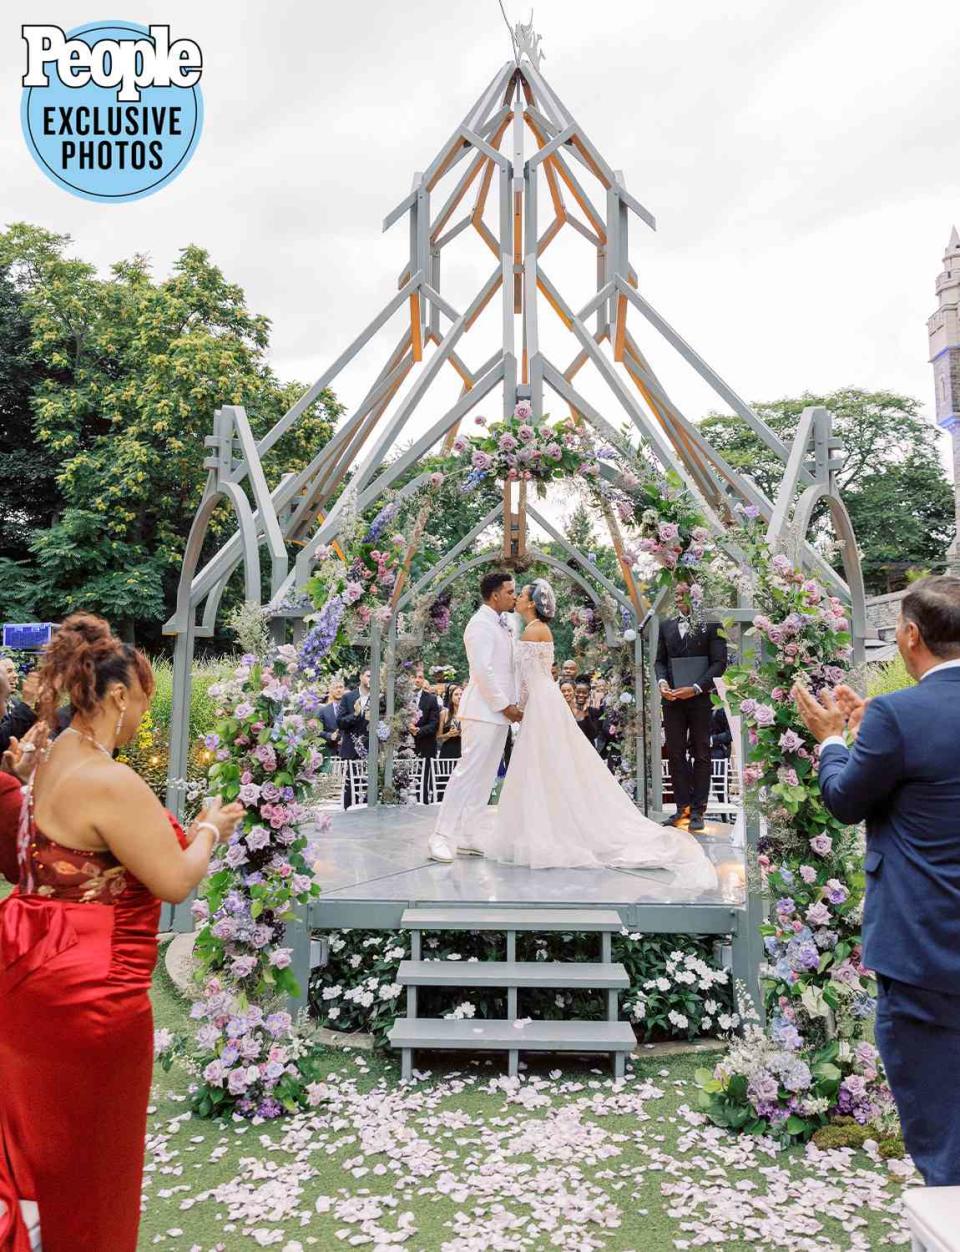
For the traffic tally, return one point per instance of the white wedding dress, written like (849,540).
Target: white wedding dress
(561,807)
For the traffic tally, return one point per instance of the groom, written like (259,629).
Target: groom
(487,707)
(902,775)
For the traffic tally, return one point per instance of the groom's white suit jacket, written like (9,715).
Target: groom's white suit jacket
(493,682)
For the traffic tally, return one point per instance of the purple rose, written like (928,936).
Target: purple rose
(822,844)
(280,958)
(249,793)
(525,433)
(278,1024)
(237,1082)
(257,838)
(764,715)
(790,741)
(835,890)
(236,856)
(213,1074)
(243,966)
(523,410)
(818,914)
(668,531)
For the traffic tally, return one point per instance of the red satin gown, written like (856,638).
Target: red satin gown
(78,943)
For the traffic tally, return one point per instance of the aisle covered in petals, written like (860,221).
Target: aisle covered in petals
(465,1158)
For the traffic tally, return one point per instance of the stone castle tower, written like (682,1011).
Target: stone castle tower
(943,330)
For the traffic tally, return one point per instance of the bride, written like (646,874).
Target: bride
(560,805)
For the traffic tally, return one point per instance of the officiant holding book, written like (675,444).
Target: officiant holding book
(690,655)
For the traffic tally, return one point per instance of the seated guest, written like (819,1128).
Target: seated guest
(721,739)
(449,736)
(587,718)
(328,715)
(569,692)
(78,944)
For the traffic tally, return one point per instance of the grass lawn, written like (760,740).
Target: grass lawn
(466,1159)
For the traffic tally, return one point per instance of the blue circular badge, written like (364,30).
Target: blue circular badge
(119,121)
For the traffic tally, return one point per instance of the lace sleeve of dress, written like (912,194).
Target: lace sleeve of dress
(532,655)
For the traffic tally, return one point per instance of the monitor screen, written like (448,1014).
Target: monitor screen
(27,636)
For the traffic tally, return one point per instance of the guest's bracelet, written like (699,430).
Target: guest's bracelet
(209,826)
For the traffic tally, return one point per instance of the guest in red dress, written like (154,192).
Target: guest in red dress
(96,854)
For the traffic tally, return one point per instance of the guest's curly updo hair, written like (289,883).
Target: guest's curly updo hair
(82,660)
(543,599)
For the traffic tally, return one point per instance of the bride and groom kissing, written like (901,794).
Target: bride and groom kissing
(559,806)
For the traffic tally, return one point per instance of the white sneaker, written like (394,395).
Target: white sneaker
(439,849)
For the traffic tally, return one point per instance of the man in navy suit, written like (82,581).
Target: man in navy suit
(902,776)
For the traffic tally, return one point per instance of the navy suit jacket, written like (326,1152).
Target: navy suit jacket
(902,777)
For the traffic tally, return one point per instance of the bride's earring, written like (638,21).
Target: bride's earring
(116,733)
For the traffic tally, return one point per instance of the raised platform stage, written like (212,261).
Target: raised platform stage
(373,864)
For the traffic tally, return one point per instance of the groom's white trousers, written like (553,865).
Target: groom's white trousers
(468,791)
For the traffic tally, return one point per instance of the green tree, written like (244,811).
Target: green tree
(892,479)
(28,490)
(132,372)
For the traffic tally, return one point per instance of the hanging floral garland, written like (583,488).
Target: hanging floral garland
(248,1055)
(813,1061)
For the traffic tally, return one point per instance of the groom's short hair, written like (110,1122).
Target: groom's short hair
(490,584)
(933,605)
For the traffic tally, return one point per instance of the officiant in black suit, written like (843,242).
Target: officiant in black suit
(689,657)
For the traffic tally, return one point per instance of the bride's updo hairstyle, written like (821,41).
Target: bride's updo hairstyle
(82,660)
(543,599)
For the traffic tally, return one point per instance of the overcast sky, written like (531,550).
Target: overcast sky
(802,160)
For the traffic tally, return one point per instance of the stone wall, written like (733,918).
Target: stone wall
(882,614)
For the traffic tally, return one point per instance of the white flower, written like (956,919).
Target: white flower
(366,999)
(710,1006)
(678,1019)
(663,984)
(626,697)
(333,1013)
(390,991)
(331,993)
(466,1009)
(706,1023)
(686,976)
(454,956)
(629,636)
(355,960)
(727,1021)
(393,954)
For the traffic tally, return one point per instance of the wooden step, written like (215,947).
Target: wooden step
(497,1034)
(578,974)
(536,919)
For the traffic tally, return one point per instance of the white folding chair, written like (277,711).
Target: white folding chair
(417,787)
(721,804)
(356,783)
(667,801)
(441,770)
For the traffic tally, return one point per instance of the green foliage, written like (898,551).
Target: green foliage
(892,479)
(127,372)
(28,493)
(893,676)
